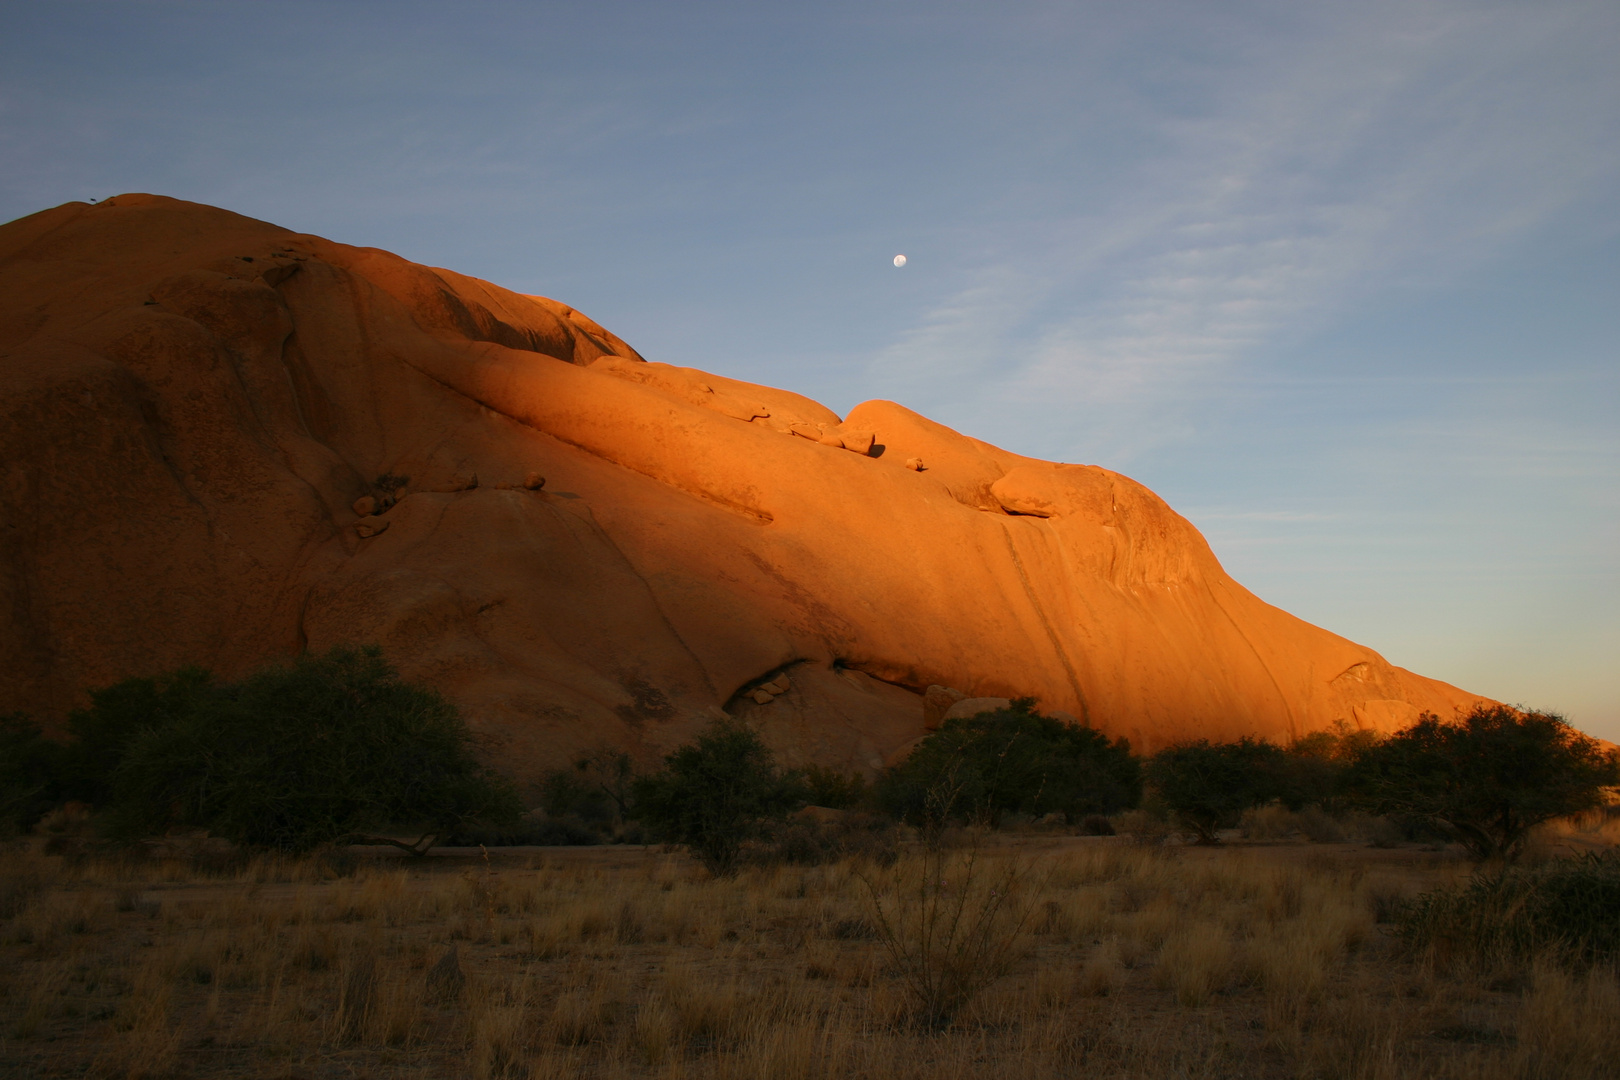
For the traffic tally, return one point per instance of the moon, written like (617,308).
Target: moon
(899,260)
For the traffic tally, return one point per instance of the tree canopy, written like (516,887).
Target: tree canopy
(30,772)
(1208,785)
(1013,760)
(293,756)
(1487,777)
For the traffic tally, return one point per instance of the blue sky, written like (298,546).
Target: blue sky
(1339,281)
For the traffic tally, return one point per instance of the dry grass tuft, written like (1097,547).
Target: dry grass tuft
(1104,970)
(501,1029)
(1355,1037)
(1195,963)
(145,1043)
(1570,1026)
(1052,956)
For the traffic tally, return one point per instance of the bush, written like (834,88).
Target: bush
(1485,779)
(100,736)
(1270,822)
(1567,907)
(831,788)
(292,757)
(1143,827)
(1096,825)
(1316,768)
(1209,785)
(951,924)
(1321,827)
(565,793)
(598,789)
(1012,760)
(716,794)
(800,842)
(30,772)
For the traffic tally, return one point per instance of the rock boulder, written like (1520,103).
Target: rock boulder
(193,403)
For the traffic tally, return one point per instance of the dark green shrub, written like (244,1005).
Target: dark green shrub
(1096,825)
(832,788)
(37,773)
(598,789)
(30,772)
(1568,908)
(101,735)
(565,793)
(1315,769)
(291,757)
(716,794)
(1209,785)
(1486,778)
(613,776)
(1012,760)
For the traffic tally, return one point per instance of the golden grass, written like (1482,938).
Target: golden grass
(1120,960)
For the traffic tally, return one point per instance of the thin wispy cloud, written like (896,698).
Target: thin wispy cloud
(1288,517)
(1409,148)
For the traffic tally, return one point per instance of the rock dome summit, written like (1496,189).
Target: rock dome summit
(225,442)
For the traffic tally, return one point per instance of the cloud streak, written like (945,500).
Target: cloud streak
(1407,147)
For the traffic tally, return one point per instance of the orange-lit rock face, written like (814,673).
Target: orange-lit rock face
(195,403)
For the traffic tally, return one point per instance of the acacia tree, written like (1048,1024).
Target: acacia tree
(1209,785)
(1316,769)
(1487,777)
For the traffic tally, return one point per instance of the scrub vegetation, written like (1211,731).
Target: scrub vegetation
(1021,898)
(1012,761)
(325,749)
(1007,954)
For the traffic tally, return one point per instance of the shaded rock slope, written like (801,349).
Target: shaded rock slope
(222,442)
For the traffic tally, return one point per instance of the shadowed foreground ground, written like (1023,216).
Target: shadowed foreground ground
(1262,960)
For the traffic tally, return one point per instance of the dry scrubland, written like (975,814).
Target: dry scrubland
(1122,960)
